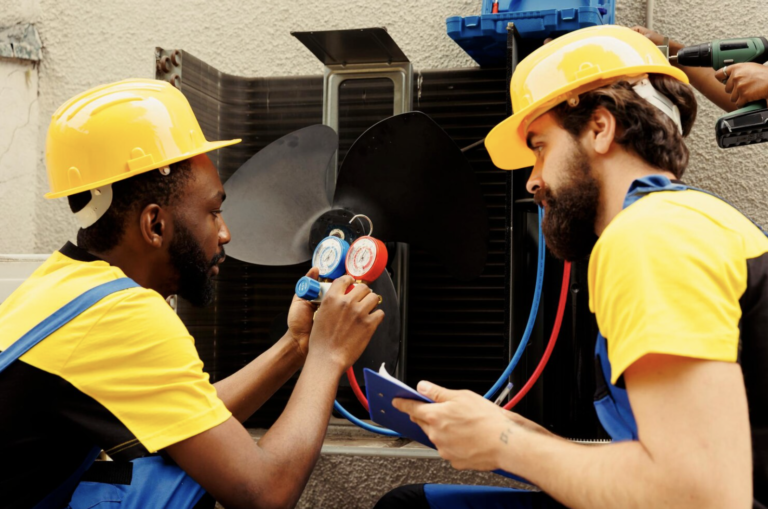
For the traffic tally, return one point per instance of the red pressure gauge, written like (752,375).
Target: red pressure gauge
(366,259)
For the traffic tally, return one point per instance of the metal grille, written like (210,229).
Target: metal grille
(456,330)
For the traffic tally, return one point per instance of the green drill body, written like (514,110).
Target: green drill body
(748,125)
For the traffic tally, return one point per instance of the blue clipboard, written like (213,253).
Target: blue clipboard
(381,390)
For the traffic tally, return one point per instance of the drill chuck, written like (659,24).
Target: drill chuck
(699,55)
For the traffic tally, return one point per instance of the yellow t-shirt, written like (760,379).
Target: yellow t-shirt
(123,375)
(667,275)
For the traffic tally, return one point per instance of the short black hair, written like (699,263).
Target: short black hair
(128,196)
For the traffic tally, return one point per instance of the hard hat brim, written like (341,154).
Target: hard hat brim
(208,146)
(507,149)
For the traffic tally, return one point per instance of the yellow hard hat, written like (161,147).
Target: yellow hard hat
(116,131)
(570,65)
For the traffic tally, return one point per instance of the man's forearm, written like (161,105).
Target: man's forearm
(703,79)
(604,476)
(292,445)
(246,390)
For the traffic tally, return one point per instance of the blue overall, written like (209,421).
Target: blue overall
(611,404)
(154,484)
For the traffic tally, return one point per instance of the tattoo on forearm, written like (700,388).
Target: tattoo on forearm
(505,435)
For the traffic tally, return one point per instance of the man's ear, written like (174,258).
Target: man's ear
(153,224)
(601,132)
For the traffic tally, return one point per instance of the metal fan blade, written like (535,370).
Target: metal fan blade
(412,180)
(385,343)
(276,196)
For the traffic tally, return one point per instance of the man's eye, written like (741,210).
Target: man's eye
(216,212)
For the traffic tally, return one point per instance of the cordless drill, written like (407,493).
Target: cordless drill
(748,125)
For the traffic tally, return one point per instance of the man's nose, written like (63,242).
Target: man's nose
(224,235)
(535,181)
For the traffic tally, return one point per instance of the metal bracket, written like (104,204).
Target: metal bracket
(664,47)
(359,54)
(401,75)
(513,58)
(168,66)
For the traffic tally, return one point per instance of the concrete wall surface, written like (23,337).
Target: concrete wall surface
(341,481)
(90,43)
(358,482)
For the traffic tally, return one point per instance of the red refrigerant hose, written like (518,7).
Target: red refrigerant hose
(552,339)
(539,369)
(356,388)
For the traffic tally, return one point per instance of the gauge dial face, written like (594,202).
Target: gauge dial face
(361,257)
(328,255)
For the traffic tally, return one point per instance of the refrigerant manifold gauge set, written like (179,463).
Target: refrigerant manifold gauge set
(364,260)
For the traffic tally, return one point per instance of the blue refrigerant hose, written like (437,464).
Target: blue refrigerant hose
(354,420)
(531,318)
(515,359)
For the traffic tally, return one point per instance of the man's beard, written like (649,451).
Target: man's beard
(569,221)
(192,267)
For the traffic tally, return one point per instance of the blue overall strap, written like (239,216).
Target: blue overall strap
(611,402)
(60,496)
(651,184)
(60,318)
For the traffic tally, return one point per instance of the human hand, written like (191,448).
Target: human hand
(658,39)
(747,82)
(300,319)
(467,429)
(344,323)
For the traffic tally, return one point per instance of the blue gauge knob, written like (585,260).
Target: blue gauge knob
(330,255)
(307,288)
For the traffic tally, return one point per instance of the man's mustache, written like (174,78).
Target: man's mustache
(540,195)
(217,258)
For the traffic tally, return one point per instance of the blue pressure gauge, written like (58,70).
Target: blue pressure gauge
(329,257)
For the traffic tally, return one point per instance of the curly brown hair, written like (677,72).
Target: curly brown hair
(642,128)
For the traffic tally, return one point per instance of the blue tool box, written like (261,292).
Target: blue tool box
(484,37)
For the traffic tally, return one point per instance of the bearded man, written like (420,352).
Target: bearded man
(678,281)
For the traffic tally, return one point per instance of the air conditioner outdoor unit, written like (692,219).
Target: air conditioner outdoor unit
(460,334)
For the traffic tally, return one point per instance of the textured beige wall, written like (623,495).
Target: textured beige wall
(19,130)
(88,43)
(19,127)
